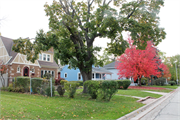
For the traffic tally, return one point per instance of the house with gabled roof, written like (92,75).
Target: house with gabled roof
(75,75)
(18,65)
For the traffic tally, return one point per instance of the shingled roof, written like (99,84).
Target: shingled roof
(111,65)
(101,70)
(48,64)
(8,43)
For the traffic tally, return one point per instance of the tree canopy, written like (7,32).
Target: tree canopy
(141,63)
(74,26)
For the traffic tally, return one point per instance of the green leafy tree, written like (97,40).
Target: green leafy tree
(107,58)
(74,26)
(170,62)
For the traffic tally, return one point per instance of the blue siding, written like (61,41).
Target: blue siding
(72,74)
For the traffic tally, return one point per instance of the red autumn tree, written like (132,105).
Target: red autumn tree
(3,69)
(137,63)
(166,72)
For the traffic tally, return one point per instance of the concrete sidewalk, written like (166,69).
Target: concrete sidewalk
(150,105)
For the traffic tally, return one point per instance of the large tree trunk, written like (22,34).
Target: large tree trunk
(86,76)
(140,81)
(151,80)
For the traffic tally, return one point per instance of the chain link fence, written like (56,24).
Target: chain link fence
(33,85)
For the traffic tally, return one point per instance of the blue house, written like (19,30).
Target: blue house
(75,75)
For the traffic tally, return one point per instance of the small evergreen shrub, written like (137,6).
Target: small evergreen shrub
(35,83)
(120,84)
(126,83)
(61,90)
(22,82)
(172,83)
(160,81)
(48,91)
(71,87)
(108,89)
(92,87)
(63,81)
(144,81)
(80,83)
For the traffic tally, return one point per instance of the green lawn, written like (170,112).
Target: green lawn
(138,93)
(25,106)
(167,86)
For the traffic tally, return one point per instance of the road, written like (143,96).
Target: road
(168,110)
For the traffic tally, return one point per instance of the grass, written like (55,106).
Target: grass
(138,93)
(167,86)
(25,106)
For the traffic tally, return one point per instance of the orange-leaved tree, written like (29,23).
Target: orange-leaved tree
(3,69)
(138,63)
(166,72)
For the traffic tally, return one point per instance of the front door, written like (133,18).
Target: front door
(26,71)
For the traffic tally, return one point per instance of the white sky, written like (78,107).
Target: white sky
(23,18)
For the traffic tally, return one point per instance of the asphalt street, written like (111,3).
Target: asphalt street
(167,110)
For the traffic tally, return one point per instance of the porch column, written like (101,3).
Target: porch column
(111,76)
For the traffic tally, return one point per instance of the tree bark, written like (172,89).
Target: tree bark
(151,80)
(140,81)
(86,76)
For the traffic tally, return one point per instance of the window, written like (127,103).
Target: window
(18,69)
(65,75)
(40,56)
(48,57)
(52,73)
(44,57)
(42,73)
(79,76)
(93,75)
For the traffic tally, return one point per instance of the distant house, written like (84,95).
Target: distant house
(19,66)
(111,67)
(75,75)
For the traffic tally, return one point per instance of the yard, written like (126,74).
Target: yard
(25,106)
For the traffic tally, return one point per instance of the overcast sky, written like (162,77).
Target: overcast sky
(22,18)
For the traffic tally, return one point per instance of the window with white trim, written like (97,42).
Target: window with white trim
(52,74)
(45,57)
(65,75)
(18,69)
(42,73)
(79,76)
(40,56)
(48,57)
(93,75)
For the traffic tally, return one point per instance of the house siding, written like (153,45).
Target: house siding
(72,74)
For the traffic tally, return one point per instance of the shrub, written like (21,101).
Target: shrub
(108,89)
(47,76)
(22,82)
(48,91)
(4,88)
(35,83)
(120,84)
(57,81)
(61,90)
(144,81)
(126,83)
(71,87)
(172,83)
(10,89)
(92,87)
(160,81)
(63,81)
(80,83)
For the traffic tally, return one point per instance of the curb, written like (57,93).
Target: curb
(145,109)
